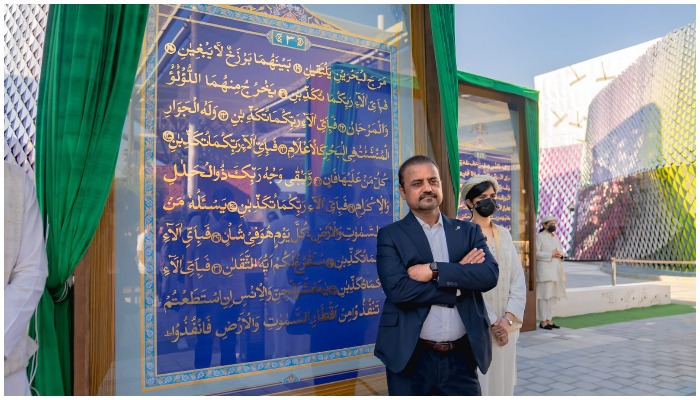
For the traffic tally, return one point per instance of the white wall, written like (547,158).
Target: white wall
(566,93)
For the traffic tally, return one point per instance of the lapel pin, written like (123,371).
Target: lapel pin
(458,227)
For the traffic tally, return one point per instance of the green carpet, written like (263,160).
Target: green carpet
(632,314)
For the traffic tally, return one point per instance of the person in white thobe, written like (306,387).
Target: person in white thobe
(550,272)
(26,270)
(505,303)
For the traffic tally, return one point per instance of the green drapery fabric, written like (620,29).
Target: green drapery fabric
(90,57)
(531,119)
(442,22)
(532,124)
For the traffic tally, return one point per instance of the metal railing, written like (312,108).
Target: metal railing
(613,262)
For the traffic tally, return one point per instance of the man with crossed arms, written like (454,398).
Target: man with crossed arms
(434,329)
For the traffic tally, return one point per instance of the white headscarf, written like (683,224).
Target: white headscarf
(475,180)
(549,218)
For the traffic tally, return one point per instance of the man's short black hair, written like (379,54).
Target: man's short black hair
(415,160)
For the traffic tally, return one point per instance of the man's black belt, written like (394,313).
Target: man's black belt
(443,347)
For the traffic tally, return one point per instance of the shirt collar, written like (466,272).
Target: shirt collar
(422,223)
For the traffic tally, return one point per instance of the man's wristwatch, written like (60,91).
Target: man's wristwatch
(510,321)
(434,269)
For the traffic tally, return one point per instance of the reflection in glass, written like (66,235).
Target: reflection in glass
(248,207)
(488,139)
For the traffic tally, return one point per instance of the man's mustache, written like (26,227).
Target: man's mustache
(428,195)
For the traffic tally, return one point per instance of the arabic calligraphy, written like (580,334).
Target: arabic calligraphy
(262,147)
(274,173)
(174,232)
(484,166)
(198,267)
(247,322)
(238,58)
(281,116)
(261,292)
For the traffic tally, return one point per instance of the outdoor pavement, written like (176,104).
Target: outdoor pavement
(650,357)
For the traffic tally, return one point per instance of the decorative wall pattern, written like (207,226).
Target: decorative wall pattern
(292,12)
(25,26)
(560,170)
(636,195)
(565,95)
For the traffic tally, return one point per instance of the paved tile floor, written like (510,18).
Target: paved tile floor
(655,356)
(651,357)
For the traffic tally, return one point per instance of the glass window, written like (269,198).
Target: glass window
(258,161)
(490,143)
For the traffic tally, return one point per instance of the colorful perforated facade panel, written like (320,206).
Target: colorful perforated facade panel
(560,170)
(636,194)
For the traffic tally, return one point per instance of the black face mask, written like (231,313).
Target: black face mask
(551,228)
(485,207)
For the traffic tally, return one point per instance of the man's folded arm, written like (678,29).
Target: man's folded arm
(399,288)
(480,277)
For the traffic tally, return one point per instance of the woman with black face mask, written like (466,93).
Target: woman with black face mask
(550,273)
(505,303)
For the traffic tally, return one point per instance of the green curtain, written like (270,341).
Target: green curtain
(90,57)
(532,118)
(442,23)
(532,124)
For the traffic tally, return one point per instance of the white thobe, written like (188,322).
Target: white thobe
(550,273)
(27,276)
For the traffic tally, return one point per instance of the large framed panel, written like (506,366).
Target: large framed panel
(491,135)
(260,159)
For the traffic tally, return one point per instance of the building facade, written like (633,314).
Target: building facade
(612,165)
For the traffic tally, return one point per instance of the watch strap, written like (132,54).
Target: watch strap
(434,269)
